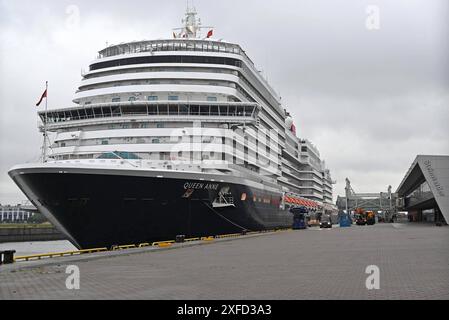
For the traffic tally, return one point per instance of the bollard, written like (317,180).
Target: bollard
(7,256)
(180,238)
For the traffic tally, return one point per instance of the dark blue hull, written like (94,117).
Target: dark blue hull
(101,210)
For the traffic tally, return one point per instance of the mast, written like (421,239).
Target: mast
(192,25)
(44,151)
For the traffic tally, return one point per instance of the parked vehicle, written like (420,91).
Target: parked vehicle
(360,217)
(360,221)
(313,223)
(370,218)
(299,219)
(325,224)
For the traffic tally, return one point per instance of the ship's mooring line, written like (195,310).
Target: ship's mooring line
(220,215)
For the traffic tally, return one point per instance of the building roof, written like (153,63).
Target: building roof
(414,174)
(434,169)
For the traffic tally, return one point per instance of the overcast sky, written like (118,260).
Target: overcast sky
(369,99)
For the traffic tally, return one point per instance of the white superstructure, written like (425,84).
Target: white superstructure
(191,103)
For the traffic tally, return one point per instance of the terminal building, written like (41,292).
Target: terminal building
(424,191)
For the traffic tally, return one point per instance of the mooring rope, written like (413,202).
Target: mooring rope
(223,217)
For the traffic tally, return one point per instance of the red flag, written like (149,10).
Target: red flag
(293,128)
(210,34)
(44,95)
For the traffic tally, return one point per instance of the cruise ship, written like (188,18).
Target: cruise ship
(179,136)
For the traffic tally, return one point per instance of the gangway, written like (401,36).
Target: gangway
(382,202)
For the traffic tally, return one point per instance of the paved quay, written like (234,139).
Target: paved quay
(413,261)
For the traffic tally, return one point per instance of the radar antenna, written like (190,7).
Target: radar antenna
(192,26)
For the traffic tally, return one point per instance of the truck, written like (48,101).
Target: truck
(364,217)
(360,217)
(299,218)
(370,218)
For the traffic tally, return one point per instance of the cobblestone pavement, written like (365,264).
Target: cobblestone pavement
(307,264)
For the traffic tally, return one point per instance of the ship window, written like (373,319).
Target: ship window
(223,110)
(104,142)
(106,111)
(163,109)
(214,110)
(211,98)
(152,98)
(160,125)
(173,98)
(173,109)
(166,59)
(118,155)
(115,99)
(152,109)
(194,110)
(164,156)
(183,109)
(132,99)
(204,110)
(303,149)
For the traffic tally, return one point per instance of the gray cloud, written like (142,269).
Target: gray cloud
(369,100)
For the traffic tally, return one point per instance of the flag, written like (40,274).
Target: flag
(44,95)
(174,35)
(210,34)
(293,129)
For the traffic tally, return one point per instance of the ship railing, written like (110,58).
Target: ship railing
(152,46)
(183,163)
(144,108)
